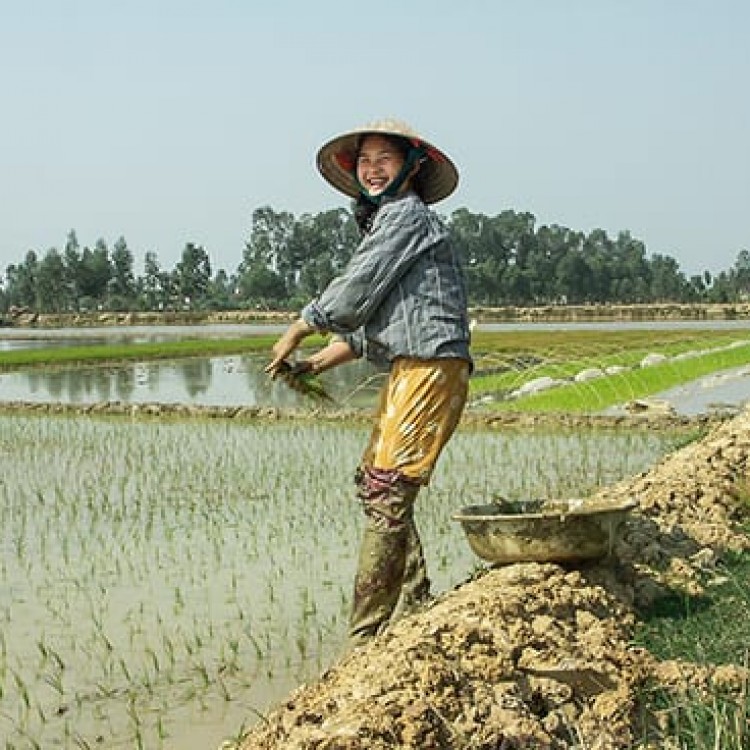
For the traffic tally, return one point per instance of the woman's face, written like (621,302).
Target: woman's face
(378,163)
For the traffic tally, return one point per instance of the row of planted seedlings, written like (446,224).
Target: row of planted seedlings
(163,583)
(591,373)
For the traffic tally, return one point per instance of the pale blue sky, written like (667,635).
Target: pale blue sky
(168,122)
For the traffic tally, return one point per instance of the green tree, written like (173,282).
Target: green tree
(630,274)
(516,286)
(339,235)
(698,285)
(574,278)
(320,246)
(51,289)
(170,291)
(599,256)
(221,291)
(151,288)
(286,260)
(668,283)
(491,247)
(555,248)
(122,281)
(512,237)
(72,260)
(22,282)
(261,287)
(192,275)
(269,244)
(740,275)
(722,288)
(94,274)
(467,233)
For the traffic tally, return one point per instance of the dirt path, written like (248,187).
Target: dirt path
(532,655)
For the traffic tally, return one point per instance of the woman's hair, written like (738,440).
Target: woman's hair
(364,213)
(364,208)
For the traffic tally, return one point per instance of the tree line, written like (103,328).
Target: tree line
(286,260)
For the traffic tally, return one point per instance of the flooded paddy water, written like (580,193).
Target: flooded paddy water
(165,582)
(239,380)
(199,381)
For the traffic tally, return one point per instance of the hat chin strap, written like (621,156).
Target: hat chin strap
(415,156)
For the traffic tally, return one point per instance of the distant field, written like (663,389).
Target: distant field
(504,361)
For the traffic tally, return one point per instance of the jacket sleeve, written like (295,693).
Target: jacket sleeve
(379,262)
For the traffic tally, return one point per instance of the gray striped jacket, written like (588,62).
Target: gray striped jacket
(402,293)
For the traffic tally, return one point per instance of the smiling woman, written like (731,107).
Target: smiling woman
(401,304)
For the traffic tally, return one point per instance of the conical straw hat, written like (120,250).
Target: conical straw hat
(337,160)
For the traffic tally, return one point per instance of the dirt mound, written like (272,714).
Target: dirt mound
(537,655)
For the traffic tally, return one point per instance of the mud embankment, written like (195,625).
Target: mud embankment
(24,317)
(612,313)
(475,417)
(540,655)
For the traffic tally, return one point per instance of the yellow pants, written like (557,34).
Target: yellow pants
(420,407)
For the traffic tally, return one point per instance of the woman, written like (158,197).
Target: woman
(400,301)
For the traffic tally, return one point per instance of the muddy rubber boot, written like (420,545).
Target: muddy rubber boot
(415,589)
(377,585)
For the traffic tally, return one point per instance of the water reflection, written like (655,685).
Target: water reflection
(217,381)
(240,381)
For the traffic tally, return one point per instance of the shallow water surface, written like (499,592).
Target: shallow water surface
(162,583)
(201,381)
(240,381)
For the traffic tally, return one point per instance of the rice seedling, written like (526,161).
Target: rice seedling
(626,385)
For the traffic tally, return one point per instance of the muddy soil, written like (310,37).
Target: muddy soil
(25,317)
(539,655)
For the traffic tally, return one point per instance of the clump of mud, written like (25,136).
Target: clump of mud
(539,655)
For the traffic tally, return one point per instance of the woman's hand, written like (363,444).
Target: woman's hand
(289,341)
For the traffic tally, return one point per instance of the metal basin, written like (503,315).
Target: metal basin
(542,530)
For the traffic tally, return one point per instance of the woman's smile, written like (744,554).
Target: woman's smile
(378,164)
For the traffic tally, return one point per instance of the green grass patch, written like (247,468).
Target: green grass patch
(504,360)
(636,382)
(525,352)
(503,347)
(712,629)
(120,352)
(696,721)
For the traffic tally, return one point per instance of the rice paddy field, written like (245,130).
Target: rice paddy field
(162,583)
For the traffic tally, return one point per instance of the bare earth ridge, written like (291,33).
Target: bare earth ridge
(538,655)
(25,317)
